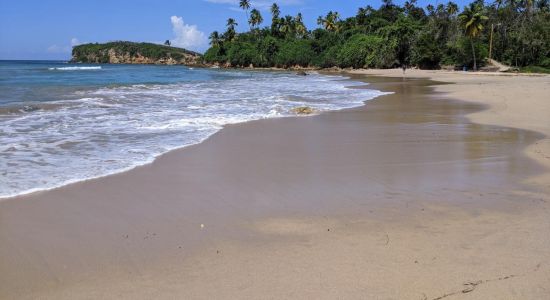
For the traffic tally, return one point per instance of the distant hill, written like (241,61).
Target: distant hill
(134,53)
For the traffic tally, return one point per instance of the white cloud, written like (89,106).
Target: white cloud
(187,36)
(64,48)
(75,42)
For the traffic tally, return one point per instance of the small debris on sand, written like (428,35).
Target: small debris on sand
(303,110)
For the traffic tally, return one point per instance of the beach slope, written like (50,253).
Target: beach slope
(403,198)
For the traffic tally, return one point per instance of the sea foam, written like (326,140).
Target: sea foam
(75,68)
(97,131)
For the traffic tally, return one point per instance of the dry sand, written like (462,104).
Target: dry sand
(403,198)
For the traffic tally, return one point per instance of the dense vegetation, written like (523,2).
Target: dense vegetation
(516,32)
(100,52)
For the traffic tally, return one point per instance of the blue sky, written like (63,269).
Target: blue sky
(46,29)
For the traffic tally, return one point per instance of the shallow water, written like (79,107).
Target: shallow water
(61,123)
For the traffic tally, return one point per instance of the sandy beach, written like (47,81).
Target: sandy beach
(513,100)
(439,190)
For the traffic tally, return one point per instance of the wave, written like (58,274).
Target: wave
(74,68)
(98,131)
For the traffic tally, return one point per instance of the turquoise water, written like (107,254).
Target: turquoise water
(62,123)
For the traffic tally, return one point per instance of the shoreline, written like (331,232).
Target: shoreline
(541,152)
(324,70)
(349,203)
(346,78)
(464,87)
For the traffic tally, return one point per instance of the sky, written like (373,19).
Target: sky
(48,29)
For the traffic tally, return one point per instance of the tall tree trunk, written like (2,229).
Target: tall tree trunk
(491,42)
(248,19)
(473,53)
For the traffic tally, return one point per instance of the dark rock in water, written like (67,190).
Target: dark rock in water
(301,73)
(29,108)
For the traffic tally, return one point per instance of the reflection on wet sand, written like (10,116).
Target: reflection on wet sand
(397,183)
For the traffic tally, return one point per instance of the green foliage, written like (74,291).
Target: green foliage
(99,53)
(393,35)
(545,63)
(535,69)
(327,58)
(255,18)
(426,52)
(294,53)
(323,40)
(401,33)
(360,51)
(243,54)
(472,20)
(214,54)
(268,48)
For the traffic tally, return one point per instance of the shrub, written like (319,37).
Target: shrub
(426,52)
(295,52)
(215,54)
(243,54)
(328,58)
(360,51)
(267,49)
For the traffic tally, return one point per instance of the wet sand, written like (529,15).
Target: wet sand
(512,100)
(403,198)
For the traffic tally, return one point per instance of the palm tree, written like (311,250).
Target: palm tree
(409,6)
(255,18)
(499,3)
(245,5)
(529,6)
(441,9)
(231,33)
(513,4)
(361,16)
(543,5)
(330,22)
(336,17)
(301,29)
(321,21)
(387,3)
(431,9)
(287,25)
(231,23)
(299,18)
(452,8)
(471,20)
(275,12)
(215,39)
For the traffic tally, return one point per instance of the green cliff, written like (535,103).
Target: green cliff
(134,53)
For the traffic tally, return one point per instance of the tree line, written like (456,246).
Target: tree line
(515,32)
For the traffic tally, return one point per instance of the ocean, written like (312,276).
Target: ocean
(61,123)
